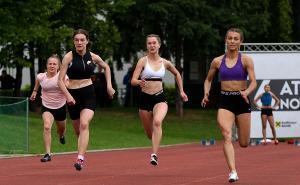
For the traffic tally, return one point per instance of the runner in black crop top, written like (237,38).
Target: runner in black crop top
(81,98)
(81,67)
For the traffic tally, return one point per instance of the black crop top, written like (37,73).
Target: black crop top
(81,67)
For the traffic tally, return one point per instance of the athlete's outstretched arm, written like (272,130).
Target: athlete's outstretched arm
(62,76)
(107,71)
(136,73)
(207,83)
(170,67)
(35,89)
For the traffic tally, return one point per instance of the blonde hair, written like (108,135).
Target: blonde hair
(55,56)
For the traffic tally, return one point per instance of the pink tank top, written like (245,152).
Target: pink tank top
(52,96)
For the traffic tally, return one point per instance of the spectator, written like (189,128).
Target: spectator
(7,81)
(126,82)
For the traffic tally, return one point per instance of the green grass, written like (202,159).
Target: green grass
(13,135)
(120,127)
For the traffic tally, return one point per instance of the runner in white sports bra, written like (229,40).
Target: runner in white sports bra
(153,75)
(150,74)
(153,106)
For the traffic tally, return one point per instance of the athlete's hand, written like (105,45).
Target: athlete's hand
(205,100)
(142,83)
(245,94)
(33,96)
(184,97)
(111,92)
(70,100)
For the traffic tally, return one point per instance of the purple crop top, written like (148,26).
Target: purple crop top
(237,72)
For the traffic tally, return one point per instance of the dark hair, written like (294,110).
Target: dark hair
(81,31)
(237,30)
(154,35)
(86,33)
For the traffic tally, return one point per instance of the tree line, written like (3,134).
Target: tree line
(189,29)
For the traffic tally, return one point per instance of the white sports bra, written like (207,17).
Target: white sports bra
(149,73)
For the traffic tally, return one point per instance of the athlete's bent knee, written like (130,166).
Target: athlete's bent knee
(156,123)
(47,129)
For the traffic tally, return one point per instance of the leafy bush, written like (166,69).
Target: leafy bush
(170,92)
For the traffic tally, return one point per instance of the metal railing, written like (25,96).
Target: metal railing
(270,47)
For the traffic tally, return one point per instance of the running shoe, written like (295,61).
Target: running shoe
(154,159)
(62,140)
(264,142)
(233,176)
(79,164)
(276,142)
(46,158)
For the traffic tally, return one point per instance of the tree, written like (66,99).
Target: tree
(21,29)
(281,18)
(29,33)
(191,30)
(296,26)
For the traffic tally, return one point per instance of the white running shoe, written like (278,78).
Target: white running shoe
(153,159)
(233,176)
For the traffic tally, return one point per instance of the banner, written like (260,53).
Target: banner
(282,72)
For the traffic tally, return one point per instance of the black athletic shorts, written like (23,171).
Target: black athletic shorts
(85,98)
(234,102)
(267,112)
(58,114)
(148,101)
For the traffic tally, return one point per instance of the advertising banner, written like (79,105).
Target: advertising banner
(282,72)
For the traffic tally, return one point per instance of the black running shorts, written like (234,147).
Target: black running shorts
(267,112)
(148,101)
(85,98)
(234,102)
(58,114)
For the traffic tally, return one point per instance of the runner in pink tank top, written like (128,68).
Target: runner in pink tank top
(53,103)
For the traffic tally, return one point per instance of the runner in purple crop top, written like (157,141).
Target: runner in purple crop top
(237,72)
(234,107)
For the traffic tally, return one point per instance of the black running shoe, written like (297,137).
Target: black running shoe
(46,158)
(62,140)
(154,159)
(79,164)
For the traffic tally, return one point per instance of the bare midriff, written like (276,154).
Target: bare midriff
(152,87)
(233,85)
(76,84)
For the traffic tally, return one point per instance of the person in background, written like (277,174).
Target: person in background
(234,68)
(53,103)
(266,111)
(126,82)
(7,81)
(153,105)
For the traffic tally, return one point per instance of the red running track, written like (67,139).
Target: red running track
(190,164)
